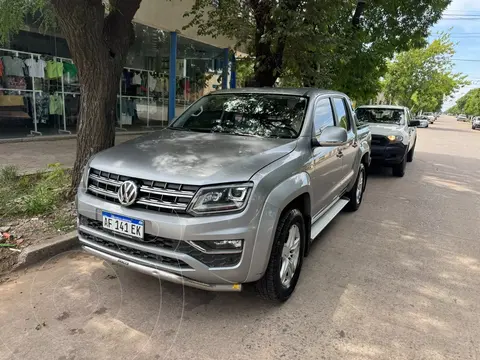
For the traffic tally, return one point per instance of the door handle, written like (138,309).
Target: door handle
(354,144)
(339,154)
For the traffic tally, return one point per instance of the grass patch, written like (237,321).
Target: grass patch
(64,222)
(38,194)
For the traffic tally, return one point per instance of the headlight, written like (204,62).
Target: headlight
(220,199)
(395,138)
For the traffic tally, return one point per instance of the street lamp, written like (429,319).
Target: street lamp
(358,12)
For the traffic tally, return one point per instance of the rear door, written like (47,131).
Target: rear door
(349,151)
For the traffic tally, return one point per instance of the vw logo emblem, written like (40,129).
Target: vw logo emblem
(127,193)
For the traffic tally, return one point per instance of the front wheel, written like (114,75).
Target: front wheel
(286,258)
(410,154)
(399,169)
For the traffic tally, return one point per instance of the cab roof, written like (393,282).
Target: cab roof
(308,92)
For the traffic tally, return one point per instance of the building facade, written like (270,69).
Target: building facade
(166,70)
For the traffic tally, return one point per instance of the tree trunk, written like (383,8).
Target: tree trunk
(99,45)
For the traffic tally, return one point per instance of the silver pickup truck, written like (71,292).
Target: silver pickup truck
(233,192)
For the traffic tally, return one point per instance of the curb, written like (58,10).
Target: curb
(36,253)
(65,137)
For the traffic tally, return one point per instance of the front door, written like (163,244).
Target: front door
(326,163)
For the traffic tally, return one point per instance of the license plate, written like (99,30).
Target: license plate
(123,225)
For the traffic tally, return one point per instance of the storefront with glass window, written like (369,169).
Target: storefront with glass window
(40,92)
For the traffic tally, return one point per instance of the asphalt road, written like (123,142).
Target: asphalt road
(399,279)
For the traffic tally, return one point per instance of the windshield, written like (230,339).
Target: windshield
(263,115)
(428,114)
(382,116)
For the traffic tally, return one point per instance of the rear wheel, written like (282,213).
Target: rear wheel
(286,259)
(356,194)
(399,169)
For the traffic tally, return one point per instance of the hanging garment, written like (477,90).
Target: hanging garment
(16,82)
(56,105)
(42,105)
(54,69)
(36,68)
(126,79)
(137,79)
(1,68)
(152,82)
(13,66)
(70,69)
(72,108)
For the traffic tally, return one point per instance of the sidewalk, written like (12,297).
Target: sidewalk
(32,156)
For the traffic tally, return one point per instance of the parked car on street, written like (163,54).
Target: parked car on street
(232,192)
(462,117)
(423,120)
(430,116)
(476,123)
(394,135)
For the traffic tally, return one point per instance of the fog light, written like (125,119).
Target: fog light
(218,246)
(228,244)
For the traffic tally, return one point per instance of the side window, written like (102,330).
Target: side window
(342,113)
(323,115)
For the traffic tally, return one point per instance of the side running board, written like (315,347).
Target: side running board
(328,216)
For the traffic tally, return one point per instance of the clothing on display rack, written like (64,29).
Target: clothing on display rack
(162,85)
(1,68)
(54,69)
(13,66)
(70,72)
(36,68)
(152,82)
(16,82)
(72,108)
(42,102)
(137,79)
(41,106)
(56,105)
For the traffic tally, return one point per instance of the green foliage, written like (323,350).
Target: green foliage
(421,78)
(244,69)
(468,104)
(14,12)
(32,194)
(8,174)
(313,43)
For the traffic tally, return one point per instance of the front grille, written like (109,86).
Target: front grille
(379,140)
(210,260)
(153,195)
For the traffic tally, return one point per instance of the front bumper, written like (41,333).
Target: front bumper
(390,154)
(157,256)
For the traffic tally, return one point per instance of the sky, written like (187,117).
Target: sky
(463,18)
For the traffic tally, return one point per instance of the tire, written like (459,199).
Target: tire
(355,197)
(411,153)
(399,169)
(271,286)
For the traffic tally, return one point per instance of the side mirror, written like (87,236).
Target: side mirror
(414,123)
(331,136)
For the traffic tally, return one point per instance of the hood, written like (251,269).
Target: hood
(185,157)
(385,129)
